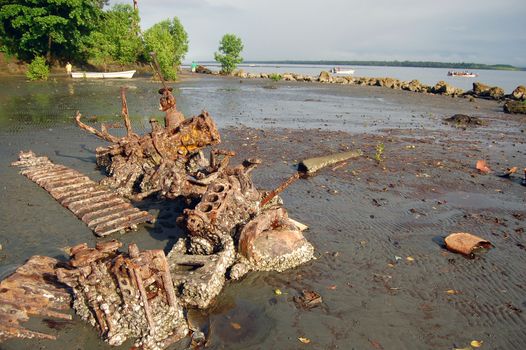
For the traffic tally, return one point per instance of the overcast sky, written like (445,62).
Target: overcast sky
(432,30)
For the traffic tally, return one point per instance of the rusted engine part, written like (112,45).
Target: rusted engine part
(126,295)
(32,290)
(228,203)
(200,278)
(272,242)
(159,161)
(101,209)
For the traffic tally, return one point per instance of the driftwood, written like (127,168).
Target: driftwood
(160,161)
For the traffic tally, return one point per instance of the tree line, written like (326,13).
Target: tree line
(83,32)
(418,64)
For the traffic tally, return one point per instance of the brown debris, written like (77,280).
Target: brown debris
(482,166)
(161,161)
(125,295)
(463,120)
(101,209)
(32,290)
(308,299)
(465,243)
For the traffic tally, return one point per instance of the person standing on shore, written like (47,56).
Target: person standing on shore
(68,68)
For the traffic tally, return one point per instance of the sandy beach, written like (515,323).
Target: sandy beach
(377,225)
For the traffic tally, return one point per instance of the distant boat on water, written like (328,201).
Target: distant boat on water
(104,75)
(453,73)
(338,70)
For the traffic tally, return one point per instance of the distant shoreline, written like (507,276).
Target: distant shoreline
(415,64)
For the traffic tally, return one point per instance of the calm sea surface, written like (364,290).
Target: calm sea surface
(508,80)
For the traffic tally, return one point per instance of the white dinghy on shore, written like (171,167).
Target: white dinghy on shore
(103,75)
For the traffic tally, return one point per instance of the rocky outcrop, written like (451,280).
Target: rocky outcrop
(479,90)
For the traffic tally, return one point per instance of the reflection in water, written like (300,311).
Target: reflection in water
(71,89)
(46,104)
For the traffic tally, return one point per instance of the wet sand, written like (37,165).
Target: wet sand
(365,217)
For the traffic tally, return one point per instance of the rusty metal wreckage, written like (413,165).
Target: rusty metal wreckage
(233,229)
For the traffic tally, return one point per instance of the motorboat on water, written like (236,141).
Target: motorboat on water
(104,75)
(465,74)
(338,70)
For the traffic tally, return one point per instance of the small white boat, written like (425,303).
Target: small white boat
(338,70)
(104,75)
(453,73)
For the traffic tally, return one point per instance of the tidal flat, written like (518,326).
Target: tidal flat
(377,222)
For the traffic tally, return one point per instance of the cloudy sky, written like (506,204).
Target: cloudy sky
(445,30)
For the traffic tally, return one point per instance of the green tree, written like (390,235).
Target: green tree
(116,39)
(55,29)
(169,41)
(38,69)
(230,48)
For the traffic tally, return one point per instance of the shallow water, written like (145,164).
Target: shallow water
(364,220)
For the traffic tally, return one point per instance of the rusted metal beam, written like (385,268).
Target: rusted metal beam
(101,209)
(32,290)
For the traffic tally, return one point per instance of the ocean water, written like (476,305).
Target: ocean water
(508,80)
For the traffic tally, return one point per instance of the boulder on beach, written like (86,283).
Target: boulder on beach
(324,77)
(486,91)
(387,82)
(519,93)
(443,88)
(496,93)
(240,74)
(463,120)
(479,88)
(202,70)
(288,77)
(350,79)
(515,107)
(298,77)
